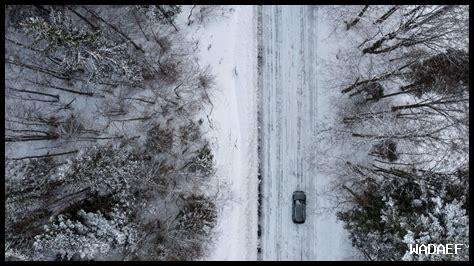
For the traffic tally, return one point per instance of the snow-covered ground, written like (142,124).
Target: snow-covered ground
(229,46)
(295,101)
(296,105)
(300,74)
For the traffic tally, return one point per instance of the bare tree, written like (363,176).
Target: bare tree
(428,26)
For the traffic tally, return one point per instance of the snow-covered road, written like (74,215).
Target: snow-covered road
(290,109)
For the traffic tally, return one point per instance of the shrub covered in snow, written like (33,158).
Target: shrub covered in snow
(197,216)
(159,139)
(203,162)
(444,73)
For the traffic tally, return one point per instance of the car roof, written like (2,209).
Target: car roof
(299,214)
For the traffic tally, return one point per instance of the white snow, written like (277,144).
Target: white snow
(229,46)
(297,105)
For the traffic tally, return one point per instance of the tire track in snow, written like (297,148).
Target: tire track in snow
(288,90)
(278,112)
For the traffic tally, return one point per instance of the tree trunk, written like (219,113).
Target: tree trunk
(166,17)
(387,15)
(190,14)
(35,92)
(429,104)
(29,138)
(28,130)
(63,89)
(115,29)
(91,25)
(38,69)
(357,19)
(43,156)
(363,116)
(140,26)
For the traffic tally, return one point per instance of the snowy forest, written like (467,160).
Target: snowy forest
(180,132)
(106,157)
(405,83)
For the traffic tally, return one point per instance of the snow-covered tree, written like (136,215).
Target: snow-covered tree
(83,49)
(393,208)
(447,224)
(89,237)
(83,82)
(429,26)
(92,208)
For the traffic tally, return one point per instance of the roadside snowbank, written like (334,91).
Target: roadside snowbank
(229,46)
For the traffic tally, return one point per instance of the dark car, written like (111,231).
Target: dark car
(299,207)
